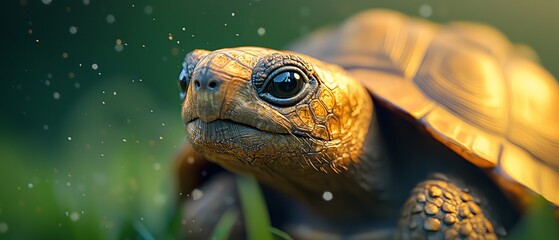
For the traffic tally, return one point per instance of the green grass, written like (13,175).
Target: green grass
(256,216)
(37,197)
(538,223)
(225,224)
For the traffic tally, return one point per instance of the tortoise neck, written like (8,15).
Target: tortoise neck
(359,190)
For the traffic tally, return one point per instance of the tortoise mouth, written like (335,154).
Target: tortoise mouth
(240,147)
(236,127)
(225,134)
(222,126)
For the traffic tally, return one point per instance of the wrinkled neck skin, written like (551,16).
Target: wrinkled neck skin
(359,189)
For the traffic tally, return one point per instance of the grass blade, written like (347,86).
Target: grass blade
(279,234)
(142,231)
(255,213)
(225,224)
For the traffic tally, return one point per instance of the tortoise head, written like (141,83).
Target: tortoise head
(259,111)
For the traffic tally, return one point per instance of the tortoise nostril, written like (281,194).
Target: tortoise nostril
(206,84)
(212,85)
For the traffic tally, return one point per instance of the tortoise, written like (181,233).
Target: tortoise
(384,126)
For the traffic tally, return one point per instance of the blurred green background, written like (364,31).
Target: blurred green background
(90,107)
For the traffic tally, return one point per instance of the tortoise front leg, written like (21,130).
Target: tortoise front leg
(207,194)
(438,209)
(204,209)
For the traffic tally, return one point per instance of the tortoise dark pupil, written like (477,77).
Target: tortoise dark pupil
(286,84)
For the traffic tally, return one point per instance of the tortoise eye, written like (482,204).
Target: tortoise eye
(183,82)
(283,80)
(285,86)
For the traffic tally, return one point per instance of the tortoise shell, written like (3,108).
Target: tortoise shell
(466,84)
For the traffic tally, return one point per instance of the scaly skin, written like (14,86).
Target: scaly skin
(304,149)
(440,210)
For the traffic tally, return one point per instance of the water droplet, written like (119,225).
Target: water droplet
(160,199)
(156,166)
(110,19)
(425,10)
(94,66)
(304,11)
(74,216)
(261,31)
(232,14)
(46,2)
(170,37)
(197,194)
(119,48)
(69,138)
(64,55)
(327,196)
(73,30)
(45,127)
(148,10)
(30,185)
(56,95)
(86,2)
(3,227)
